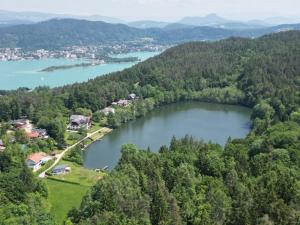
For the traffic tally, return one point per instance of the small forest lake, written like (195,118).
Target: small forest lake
(203,121)
(26,73)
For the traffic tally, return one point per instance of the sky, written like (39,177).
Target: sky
(166,10)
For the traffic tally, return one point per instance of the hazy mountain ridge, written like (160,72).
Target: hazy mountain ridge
(35,17)
(213,20)
(58,33)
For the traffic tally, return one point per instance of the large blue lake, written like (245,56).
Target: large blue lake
(15,74)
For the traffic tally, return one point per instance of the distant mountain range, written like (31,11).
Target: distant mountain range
(13,18)
(145,24)
(213,20)
(8,18)
(58,33)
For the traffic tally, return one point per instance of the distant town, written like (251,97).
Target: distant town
(75,52)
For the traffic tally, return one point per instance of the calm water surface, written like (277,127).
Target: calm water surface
(210,122)
(15,74)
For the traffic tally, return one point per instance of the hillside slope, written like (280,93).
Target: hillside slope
(59,33)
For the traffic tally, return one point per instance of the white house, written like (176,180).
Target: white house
(36,160)
(79,121)
(108,110)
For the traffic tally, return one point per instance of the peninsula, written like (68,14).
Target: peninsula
(92,63)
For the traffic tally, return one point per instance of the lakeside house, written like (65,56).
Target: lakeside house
(108,110)
(78,121)
(36,160)
(2,146)
(61,169)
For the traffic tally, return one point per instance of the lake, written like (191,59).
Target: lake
(15,74)
(209,122)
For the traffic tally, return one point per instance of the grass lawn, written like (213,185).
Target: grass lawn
(95,126)
(100,134)
(65,196)
(79,174)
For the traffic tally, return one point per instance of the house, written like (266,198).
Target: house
(61,169)
(42,133)
(2,146)
(131,96)
(122,102)
(22,124)
(108,110)
(36,160)
(79,121)
(32,134)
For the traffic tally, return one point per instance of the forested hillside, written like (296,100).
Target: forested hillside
(236,71)
(22,195)
(61,33)
(251,181)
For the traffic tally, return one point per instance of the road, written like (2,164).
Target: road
(60,156)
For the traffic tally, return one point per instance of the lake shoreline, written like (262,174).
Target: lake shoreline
(16,74)
(109,147)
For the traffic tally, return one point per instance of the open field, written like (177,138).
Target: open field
(64,196)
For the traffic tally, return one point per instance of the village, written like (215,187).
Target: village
(77,52)
(48,162)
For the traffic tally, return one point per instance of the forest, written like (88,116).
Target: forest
(255,180)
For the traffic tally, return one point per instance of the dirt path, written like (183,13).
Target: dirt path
(60,156)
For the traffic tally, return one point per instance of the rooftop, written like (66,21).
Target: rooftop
(60,167)
(37,157)
(79,119)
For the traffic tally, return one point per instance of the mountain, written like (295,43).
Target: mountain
(34,17)
(187,34)
(6,23)
(213,20)
(209,20)
(58,33)
(239,26)
(175,26)
(281,20)
(144,24)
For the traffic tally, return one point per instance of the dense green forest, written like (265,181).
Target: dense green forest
(255,180)
(61,33)
(22,195)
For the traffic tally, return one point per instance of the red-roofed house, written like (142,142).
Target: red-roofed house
(33,134)
(35,160)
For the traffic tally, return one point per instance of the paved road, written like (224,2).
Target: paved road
(60,156)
